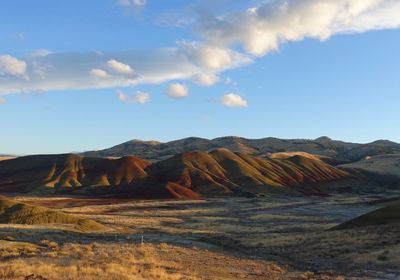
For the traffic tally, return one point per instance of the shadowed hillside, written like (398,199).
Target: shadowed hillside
(333,152)
(68,171)
(20,213)
(384,216)
(187,175)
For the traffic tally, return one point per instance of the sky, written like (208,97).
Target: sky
(85,75)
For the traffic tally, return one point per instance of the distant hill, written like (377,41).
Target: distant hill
(384,216)
(388,164)
(185,175)
(333,152)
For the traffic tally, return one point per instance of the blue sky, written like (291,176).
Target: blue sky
(172,69)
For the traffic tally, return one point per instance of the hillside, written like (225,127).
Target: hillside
(333,152)
(186,175)
(68,171)
(6,157)
(222,172)
(12,212)
(384,216)
(385,165)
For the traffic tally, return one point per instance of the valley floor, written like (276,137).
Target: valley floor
(225,238)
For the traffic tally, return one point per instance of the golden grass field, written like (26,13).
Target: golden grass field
(227,238)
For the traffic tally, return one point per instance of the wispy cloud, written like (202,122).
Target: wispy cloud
(65,71)
(132,3)
(233,100)
(133,6)
(139,97)
(2,101)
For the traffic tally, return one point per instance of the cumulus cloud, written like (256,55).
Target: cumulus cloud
(2,101)
(98,73)
(259,30)
(233,100)
(10,65)
(210,56)
(205,79)
(263,28)
(139,97)
(177,91)
(119,67)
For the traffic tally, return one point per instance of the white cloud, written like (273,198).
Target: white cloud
(10,65)
(2,101)
(210,56)
(98,73)
(177,91)
(233,100)
(142,97)
(259,30)
(262,29)
(205,79)
(119,67)
(139,97)
(68,71)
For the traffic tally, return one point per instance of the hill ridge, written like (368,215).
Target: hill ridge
(196,173)
(333,151)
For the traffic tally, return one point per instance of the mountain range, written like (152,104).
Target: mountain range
(196,167)
(331,151)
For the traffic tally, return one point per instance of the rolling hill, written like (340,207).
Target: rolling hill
(68,171)
(384,216)
(224,172)
(186,175)
(12,212)
(333,152)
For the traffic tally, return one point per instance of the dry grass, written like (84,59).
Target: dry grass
(93,261)
(124,261)
(287,231)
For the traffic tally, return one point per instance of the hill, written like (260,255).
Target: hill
(224,172)
(384,216)
(385,165)
(12,212)
(6,157)
(68,171)
(186,175)
(333,152)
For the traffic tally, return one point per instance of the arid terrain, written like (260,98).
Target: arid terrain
(221,238)
(228,208)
